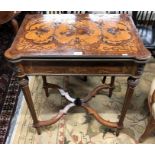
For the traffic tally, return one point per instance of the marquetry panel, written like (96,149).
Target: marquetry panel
(96,35)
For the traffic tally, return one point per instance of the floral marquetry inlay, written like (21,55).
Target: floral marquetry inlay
(40,33)
(116,33)
(97,35)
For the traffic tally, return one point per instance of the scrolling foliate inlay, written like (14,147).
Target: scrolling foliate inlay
(83,34)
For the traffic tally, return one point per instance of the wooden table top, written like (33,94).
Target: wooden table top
(77,36)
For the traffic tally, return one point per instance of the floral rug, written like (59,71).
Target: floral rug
(77,127)
(9,88)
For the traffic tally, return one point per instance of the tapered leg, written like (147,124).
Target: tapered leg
(132,83)
(111,85)
(149,128)
(23,82)
(45,85)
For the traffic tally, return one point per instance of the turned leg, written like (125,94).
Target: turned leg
(15,25)
(111,85)
(23,82)
(149,128)
(45,85)
(132,83)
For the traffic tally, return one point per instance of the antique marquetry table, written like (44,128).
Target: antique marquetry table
(90,44)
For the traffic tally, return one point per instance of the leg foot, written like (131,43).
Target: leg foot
(38,131)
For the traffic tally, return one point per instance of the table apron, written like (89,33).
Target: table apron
(77,68)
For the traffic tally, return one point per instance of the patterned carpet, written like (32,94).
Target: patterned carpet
(8,84)
(77,126)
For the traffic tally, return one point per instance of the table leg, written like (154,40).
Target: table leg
(132,83)
(45,85)
(23,82)
(104,79)
(66,82)
(112,82)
